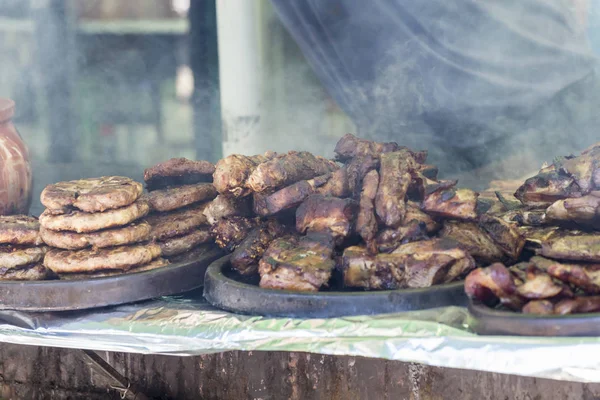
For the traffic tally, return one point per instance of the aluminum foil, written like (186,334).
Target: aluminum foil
(187,326)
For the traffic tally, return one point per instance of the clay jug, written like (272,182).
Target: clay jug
(15,168)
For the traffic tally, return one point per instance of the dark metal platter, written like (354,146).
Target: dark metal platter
(489,321)
(229,291)
(56,295)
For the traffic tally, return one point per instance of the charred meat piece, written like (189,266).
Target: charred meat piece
(583,276)
(320,213)
(452,203)
(288,168)
(232,172)
(349,146)
(303,264)
(337,184)
(525,217)
(474,240)
(582,247)
(372,272)
(394,179)
(434,261)
(585,210)
(505,235)
(414,214)
(388,240)
(539,285)
(177,172)
(583,168)
(245,257)
(578,305)
(547,187)
(366,222)
(230,232)
(539,307)
(421,186)
(226,207)
(493,284)
(535,236)
(357,169)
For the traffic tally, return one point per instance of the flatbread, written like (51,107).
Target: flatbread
(177,223)
(17,256)
(181,244)
(79,221)
(92,194)
(154,264)
(20,229)
(34,272)
(181,196)
(132,233)
(112,258)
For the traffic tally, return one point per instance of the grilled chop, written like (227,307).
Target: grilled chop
(388,240)
(300,264)
(20,229)
(476,241)
(365,270)
(80,222)
(246,256)
(31,272)
(178,171)
(394,179)
(178,197)
(230,232)
(232,172)
(132,233)
(321,213)
(494,284)
(225,207)
(505,235)
(91,195)
(286,169)
(366,221)
(452,203)
(581,247)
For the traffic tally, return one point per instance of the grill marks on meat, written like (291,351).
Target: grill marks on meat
(232,172)
(245,258)
(394,180)
(584,210)
(357,169)
(539,285)
(349,146)
(388,240)
(581,247)
(506,236)
(230,232)
(547,187)
(300,264)
(474,240)
(366,222)
(452,203)
(287,169)
(492,284)
(225,207)
(372,272)
(326,214)
(584,276)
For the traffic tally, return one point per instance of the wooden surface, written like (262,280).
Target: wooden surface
(47,373)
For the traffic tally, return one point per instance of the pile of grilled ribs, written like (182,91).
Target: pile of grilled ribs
(558,213)
(377,217)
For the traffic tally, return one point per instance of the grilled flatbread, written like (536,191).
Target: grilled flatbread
(79,221)
(92,194)
(154,264)
(18,256)
(20,229)
(132,233)
(33,272)
(178,197)
(181,244)
(177,223)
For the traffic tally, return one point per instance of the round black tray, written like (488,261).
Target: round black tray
(489,321)
(57,295)
(226,290)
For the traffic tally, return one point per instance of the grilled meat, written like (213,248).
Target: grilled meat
(414,214)
(357,169)
(535,236)
(578,305)
(320,213)
(577,247)
(232,172)
(366,222)
(452,203)
(286,169)
(493,284)
(584,210)
(230,232)
(525,217)
(505,235)
(337,185)
(394,179)
(388,240)
(245,257)
(539,285)
(540,307)
(301,264)
(474,240)
(178,171)
(225,207)
(349,146)
(547,187)
(434,261)
(583,276)
(365,270)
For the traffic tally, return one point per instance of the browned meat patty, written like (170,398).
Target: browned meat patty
(79,221)
(20,229)
(132,233)
(176,223)
(33,272)
(92,194)
(178,197)
(154,264)
(112,258)
(15,256)
(452,203)
(178,171)
(181,244)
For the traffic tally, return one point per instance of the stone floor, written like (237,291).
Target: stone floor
(28,372)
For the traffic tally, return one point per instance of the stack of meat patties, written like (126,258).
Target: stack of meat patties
(558,213)
(179,190)
(22,249)
(96,228)
(378,213)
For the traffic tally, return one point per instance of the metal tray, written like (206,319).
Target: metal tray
(226,290)
(489,321)
(41,296)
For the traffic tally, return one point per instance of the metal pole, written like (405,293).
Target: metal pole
(54,35)
(204,62)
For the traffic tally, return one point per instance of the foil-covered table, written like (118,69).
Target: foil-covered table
(187,326)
